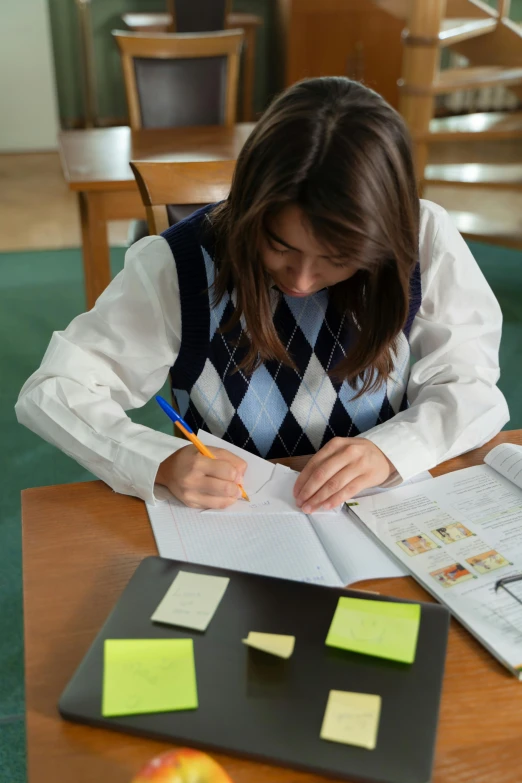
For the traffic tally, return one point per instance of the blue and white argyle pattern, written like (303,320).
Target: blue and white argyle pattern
(277,411)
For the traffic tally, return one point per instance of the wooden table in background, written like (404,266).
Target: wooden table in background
(81,545)
(95,164)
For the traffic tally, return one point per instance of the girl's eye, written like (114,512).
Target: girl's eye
(339,265)
(278,251)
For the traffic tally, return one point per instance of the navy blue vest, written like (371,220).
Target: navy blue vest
(276,411)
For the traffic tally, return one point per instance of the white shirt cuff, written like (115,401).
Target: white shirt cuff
(138,459)
(403,448)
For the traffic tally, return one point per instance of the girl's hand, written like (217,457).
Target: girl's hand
(341,469)
(201,482)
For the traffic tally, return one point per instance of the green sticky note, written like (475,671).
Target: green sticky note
(148,675)
(381,628)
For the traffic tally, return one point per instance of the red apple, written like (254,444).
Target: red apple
(182,766)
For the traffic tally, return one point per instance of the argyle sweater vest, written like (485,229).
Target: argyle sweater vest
(276,411)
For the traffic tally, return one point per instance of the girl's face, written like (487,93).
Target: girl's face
(296,262)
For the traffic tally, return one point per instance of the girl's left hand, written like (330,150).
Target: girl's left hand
(341,469)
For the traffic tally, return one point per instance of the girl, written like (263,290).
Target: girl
(321,309)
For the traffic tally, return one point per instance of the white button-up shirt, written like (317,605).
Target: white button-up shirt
(117,356)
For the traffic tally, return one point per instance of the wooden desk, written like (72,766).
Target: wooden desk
(81,544)
(161,23)
(95,164)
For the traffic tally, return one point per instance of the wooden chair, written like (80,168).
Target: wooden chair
(189,16)
(180,79)
(184,16)
(173,80)
(162,183)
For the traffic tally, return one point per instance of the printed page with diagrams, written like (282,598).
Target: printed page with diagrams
(459,535)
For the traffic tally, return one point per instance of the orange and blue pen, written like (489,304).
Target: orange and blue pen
(189,433)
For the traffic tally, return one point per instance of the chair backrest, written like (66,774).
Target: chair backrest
(195,16)
(180,79)
(162,183)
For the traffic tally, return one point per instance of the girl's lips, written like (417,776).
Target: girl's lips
(290,292)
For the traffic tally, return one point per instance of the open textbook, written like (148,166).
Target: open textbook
(458,535)
(269,535)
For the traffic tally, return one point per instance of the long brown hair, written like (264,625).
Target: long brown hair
(338,151)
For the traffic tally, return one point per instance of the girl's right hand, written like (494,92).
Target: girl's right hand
(201,482)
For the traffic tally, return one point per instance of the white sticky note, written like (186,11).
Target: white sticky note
(191,600)
(272,643)
(352,718)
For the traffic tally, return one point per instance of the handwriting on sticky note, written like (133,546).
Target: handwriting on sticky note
(382,628)
(191,600)
(148,675)
(272,643)
(352,718)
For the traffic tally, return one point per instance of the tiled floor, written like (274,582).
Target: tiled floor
(37,211)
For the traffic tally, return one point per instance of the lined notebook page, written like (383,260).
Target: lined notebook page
(280,545)
(506,459)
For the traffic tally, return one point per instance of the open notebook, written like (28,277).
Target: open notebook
(269,535)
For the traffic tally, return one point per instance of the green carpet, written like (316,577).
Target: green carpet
(41,292)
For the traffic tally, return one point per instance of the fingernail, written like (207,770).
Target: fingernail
(326,506)
(307,508)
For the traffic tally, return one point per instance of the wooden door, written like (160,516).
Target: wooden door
(341,37)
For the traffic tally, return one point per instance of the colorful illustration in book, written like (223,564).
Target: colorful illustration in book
(416,545)
(487,561)
(454,532)
(451,575)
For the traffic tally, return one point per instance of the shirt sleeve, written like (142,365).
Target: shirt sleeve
(111,359)
(455,405)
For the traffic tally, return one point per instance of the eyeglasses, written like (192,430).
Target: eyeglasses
(507,581)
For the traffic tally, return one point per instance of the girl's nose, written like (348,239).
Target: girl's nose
(302,277)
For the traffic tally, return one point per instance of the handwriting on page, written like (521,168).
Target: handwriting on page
(191,600)
(381,628)
(148,675)
(260,503)
(352,718)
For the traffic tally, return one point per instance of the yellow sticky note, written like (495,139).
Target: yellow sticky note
(381,628)
(273,643)
(352,718)
(191,600)
(148,675)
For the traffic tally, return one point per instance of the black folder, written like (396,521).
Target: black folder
(257,705)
